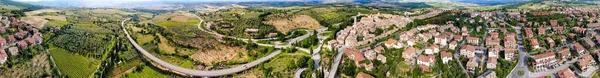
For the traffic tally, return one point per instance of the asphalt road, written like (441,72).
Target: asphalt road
(201,73)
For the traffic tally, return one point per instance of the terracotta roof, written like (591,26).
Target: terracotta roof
(11,38)
(506,51)
(492,60)
(3,54)
(587,59)
(566,73)
(469,48)
(564,51)
(446,54)
(472,38)
(390,41)
(544,55)
(578,46)
(379,48)
(423,67)
(363,75)
(408,51)
(534,42)
(426,58)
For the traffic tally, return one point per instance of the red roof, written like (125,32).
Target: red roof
(11,38)
(363,75)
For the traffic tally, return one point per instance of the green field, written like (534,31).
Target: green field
(167,23)
(146,72)
(72,65)
(86,25)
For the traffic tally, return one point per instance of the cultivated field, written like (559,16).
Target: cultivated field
(73,65)
(222,53)
(39,21)
(295,22)
(36,67)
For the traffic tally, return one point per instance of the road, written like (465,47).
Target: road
(200,73)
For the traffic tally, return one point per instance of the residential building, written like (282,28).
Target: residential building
(509,54)
(550,41)
(564,54)
(587,42)
(534,43)
(381,58)
(566,73)
(425,61)
(471,65)
(391,43)
(493,52)
(3,55)
(467,51)
(432,49)
(408,54)
(579,48)
(472,40)
(510,43)
(363,75)
(544,61)
(446,56)
(491,62)
(453,45)
(586,62)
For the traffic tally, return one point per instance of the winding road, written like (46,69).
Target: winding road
(191,72)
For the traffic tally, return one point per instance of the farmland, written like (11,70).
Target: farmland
(73,65)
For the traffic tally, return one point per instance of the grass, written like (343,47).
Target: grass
(281,63)
(86,25)
(72,65)
(179,61)
(192,21)
(167,23)
(164,45)
(123,67)
(143,39)
(56,23)
(147,72)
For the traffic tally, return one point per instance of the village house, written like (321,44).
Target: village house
(446,57)
(587,42)
(566,73)
(453,45)
(528,32)
(558,30)
(381,58)
(442,40)
(510,43)
(370,54)
(363,75)
(22,44)
(357,57)
(541,30)
(579,48)
(564,54)
(550,42)
(13,51)
(432,49)
(586,62)
(472,40)
(491,62)
(408,54)
(391,43)
(544,61)
(534,43)
(492,42)
(467,51)
(510,35)
(3,55)
(458,37)
(425,61)
(410,42)
(509,54)
(471,65)
(493,52)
